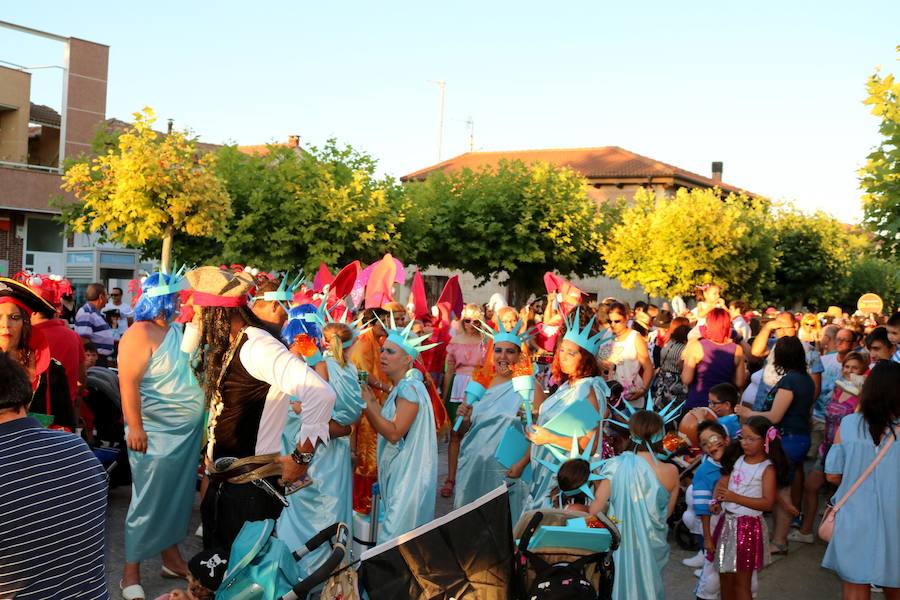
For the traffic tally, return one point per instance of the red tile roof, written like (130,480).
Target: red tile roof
(605,162)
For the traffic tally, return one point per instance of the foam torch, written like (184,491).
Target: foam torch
(475,391)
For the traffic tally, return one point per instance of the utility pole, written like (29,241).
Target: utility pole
(441,84)
(470,122)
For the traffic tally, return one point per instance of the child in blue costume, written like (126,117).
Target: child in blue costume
(328,498)
(485,423)
(163,409)
(407,441)
(574,363)
(639,493)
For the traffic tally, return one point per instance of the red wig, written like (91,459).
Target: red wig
(587,366)
(718,325)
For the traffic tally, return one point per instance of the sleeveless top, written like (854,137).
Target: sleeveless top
(624,356)
(746,480)
(716,366)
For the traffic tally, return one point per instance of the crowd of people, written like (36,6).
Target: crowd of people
(294,403)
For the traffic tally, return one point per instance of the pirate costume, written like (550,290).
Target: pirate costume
(51,396)
(250,404)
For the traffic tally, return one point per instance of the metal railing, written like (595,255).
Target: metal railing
(27,167)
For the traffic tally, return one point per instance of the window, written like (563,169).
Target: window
(44,235)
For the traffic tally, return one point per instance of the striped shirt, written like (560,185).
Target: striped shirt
(705,480)
(53,507)
(90,324)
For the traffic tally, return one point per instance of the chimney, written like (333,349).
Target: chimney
(717,171)
(171,125)
(293,141)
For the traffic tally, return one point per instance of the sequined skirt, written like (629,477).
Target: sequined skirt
(741,543)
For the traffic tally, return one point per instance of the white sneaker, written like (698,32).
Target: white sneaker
(199,532)
(875,589)
(698,573)
(695,561)
(803,538)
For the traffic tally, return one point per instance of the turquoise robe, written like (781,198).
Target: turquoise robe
(329,498)
(639,502)
(479,472)
(164,478)
(544,479)
(407,470)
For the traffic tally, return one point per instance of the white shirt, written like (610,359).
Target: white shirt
(267,359)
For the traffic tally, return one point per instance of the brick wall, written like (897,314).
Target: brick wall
(11,247)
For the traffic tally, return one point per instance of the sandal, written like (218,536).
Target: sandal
(778,549)
(447,489)
(132,592)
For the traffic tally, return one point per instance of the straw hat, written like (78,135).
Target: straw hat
(213,286)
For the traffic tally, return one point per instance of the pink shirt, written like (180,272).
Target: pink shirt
(467,356)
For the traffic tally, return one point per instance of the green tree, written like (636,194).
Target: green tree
(814,256)
(146,188)
(880,177)
(296,210)
(871,273)
(668,245)
(519,219)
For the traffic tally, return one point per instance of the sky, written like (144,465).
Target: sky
(772,89)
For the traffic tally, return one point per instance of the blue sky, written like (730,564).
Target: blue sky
(773,89)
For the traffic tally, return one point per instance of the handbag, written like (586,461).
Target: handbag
(826,527)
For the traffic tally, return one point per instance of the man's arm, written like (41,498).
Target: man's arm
(760,347)
(266,359)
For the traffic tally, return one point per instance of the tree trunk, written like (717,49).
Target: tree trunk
(166,260)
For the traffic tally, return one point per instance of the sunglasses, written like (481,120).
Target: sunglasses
(467,321)
(114,295)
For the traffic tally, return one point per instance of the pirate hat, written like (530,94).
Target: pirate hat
(14,292)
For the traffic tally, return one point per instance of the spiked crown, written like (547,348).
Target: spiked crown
(177,282)
(583,337)
(404,338)
(323,316)
(284,295)
(504,335)
(595,463)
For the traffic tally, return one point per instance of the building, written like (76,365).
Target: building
(610,172)
(35,140)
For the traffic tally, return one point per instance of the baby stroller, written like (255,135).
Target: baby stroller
(103,399)
(262,567)
(550,572)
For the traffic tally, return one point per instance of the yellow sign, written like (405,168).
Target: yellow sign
(870,303)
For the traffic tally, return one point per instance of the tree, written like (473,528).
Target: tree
(880,177)
(295,210)
(519,219)
(871,273)
(148,188)
(814,256)
(668,245)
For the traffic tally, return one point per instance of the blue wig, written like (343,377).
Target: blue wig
(301,320)
(152,308)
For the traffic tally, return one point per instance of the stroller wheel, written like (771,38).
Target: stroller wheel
(684,538)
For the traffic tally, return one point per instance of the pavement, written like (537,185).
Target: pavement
(797,576)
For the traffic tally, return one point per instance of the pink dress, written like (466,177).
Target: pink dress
(468,357)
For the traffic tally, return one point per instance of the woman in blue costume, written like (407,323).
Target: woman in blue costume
(574,363)
(485,423)
(639,491)
(163,409)
(407,442)
(328,498)
(865,545)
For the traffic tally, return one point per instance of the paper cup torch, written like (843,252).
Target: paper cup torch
(474,392)
(524,386)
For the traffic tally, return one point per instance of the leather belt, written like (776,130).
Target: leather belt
(247,470)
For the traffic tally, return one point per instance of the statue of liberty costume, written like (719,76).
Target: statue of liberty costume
(164,477)
(639,503)
(407,469)
(479,471)
(566,396)
(329,497)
